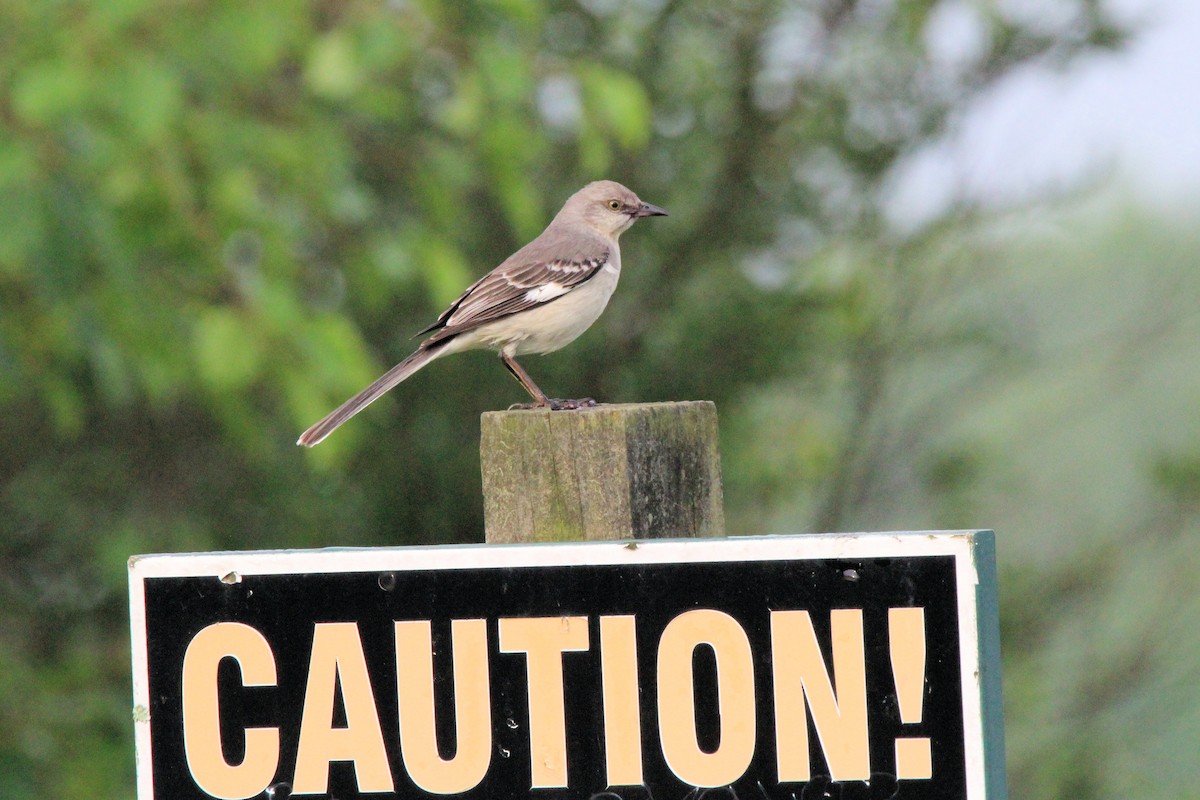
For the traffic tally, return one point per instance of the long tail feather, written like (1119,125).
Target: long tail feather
(317,433)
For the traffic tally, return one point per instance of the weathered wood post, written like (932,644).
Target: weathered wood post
(638,471)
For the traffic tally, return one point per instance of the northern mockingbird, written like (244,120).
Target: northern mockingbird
(540,299)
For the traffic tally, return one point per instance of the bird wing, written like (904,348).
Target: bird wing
(516,285)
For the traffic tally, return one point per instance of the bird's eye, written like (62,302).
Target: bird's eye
(615,205)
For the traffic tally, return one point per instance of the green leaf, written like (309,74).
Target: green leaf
(618,104)
(333,68)
(150,98)
(463,110)
(251,38)
(50,90)
(522,205)
(22,228)
(227,352)
(505,72)
(528,13)
(345,364)
(445,269)
(594,151)
(110,16)
(66,405)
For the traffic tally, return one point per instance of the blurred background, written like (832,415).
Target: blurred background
(935,261)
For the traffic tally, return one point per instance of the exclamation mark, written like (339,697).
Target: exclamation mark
(906,631)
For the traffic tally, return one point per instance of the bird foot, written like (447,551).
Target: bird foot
(556,405)
(572,405)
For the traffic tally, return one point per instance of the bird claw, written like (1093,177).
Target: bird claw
(572,405)
(556,405)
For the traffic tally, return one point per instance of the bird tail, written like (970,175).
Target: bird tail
(317,433)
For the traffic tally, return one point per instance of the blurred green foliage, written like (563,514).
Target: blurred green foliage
(218,220)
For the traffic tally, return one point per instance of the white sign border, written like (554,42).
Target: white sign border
(232,565)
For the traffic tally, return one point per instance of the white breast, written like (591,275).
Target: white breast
(556,324)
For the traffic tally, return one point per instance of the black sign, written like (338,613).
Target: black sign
(769,668)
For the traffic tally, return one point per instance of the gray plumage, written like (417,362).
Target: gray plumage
(538,300)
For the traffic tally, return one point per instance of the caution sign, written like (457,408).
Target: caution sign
(775,668)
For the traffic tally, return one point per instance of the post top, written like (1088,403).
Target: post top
(610,408)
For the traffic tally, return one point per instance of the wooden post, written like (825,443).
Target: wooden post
(647,470)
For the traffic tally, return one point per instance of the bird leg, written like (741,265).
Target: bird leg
(542,401)
(521,375)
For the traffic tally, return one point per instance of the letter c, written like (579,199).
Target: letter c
(202,714)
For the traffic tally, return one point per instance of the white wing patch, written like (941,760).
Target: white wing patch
(545,292)
(573,267)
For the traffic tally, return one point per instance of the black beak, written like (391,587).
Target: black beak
(648,210)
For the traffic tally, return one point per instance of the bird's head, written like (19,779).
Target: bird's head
(608,207)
